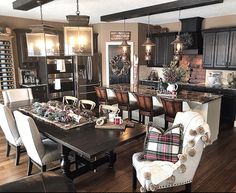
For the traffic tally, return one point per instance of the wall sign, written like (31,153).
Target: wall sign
(120,35)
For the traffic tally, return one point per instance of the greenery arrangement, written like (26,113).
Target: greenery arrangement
(173,72)
(55,111)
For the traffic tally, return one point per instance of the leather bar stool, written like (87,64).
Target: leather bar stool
(171,107)
(103,97)
(147,108)
(125,104)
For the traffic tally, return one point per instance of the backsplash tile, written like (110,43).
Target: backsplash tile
(194,62)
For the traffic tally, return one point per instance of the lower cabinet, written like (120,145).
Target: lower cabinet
(228,102)
(39,92)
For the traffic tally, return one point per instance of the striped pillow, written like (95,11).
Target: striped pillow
(163,146)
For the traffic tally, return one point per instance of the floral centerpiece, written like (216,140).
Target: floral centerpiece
(173,72)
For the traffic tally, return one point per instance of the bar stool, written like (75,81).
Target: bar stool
(171,107)
(103,97)
(147,108)
(125,104)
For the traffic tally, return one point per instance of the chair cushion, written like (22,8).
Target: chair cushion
(52,152)
(163,146)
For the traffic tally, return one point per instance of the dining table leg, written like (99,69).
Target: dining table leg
(112,158)
(65,164)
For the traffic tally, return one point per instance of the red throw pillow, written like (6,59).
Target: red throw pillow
(163,146)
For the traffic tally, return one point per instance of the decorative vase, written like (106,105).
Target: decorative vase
(172,87)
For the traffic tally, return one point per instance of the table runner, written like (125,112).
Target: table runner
(65,126)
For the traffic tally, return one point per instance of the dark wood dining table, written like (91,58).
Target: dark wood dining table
(93,146)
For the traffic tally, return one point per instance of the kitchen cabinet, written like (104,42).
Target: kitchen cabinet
(219,48)
(228,102)
(163,51)
(208,49)
(39,91)
(7,70)
(25,62)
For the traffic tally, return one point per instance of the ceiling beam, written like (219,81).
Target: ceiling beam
(160,8)
(26,5)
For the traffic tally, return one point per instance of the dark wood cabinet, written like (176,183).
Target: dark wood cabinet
(163,51)
(232,50)
(209,49)
(219,47)
(39,91)
(25,62)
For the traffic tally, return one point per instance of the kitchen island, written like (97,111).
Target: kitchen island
(207,104)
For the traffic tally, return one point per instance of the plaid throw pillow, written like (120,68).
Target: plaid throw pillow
(163,146)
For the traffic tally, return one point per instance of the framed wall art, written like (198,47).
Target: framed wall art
(118,70)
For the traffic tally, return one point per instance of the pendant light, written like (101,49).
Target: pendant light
(178,44)
(42,41)
(78,35)
(148,44)
(124,46)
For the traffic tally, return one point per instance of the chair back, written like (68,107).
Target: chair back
(171,106)
(70,100)
(101,93)
(108,108)
(19,94)
(85,103)
(30,137)
(122,97)
(8,125)
(145,102)
(191,121)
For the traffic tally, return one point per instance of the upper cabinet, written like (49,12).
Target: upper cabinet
(218,48)
(23,59)
(163,51)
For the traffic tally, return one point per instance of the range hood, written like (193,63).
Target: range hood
(191,35)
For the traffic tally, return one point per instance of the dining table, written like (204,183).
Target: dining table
(92,146)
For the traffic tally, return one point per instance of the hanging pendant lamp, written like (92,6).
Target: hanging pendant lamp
(178,45)
(148,44)
(124,46)
(42,41)
(78,36)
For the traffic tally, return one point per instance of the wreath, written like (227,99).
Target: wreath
(119,66)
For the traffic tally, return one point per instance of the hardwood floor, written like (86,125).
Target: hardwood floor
(216,172)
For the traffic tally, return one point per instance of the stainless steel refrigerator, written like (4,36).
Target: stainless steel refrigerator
(87,76)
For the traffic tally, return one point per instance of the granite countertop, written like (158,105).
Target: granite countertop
(224,87)
(187,96)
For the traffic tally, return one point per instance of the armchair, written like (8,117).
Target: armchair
(154,175)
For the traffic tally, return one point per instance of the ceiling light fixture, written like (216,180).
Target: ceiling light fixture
(42,41)
(78,35)
(148,44)
(124,46)
(178,44)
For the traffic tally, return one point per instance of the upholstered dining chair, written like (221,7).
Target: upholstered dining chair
(156,174)
(171,106)
(8,125)
(40,152)
(18,94)
(70,100)
(105,96)
(147,107)
(125,103)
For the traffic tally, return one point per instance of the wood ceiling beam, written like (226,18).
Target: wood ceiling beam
(26,5)
(160,8)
